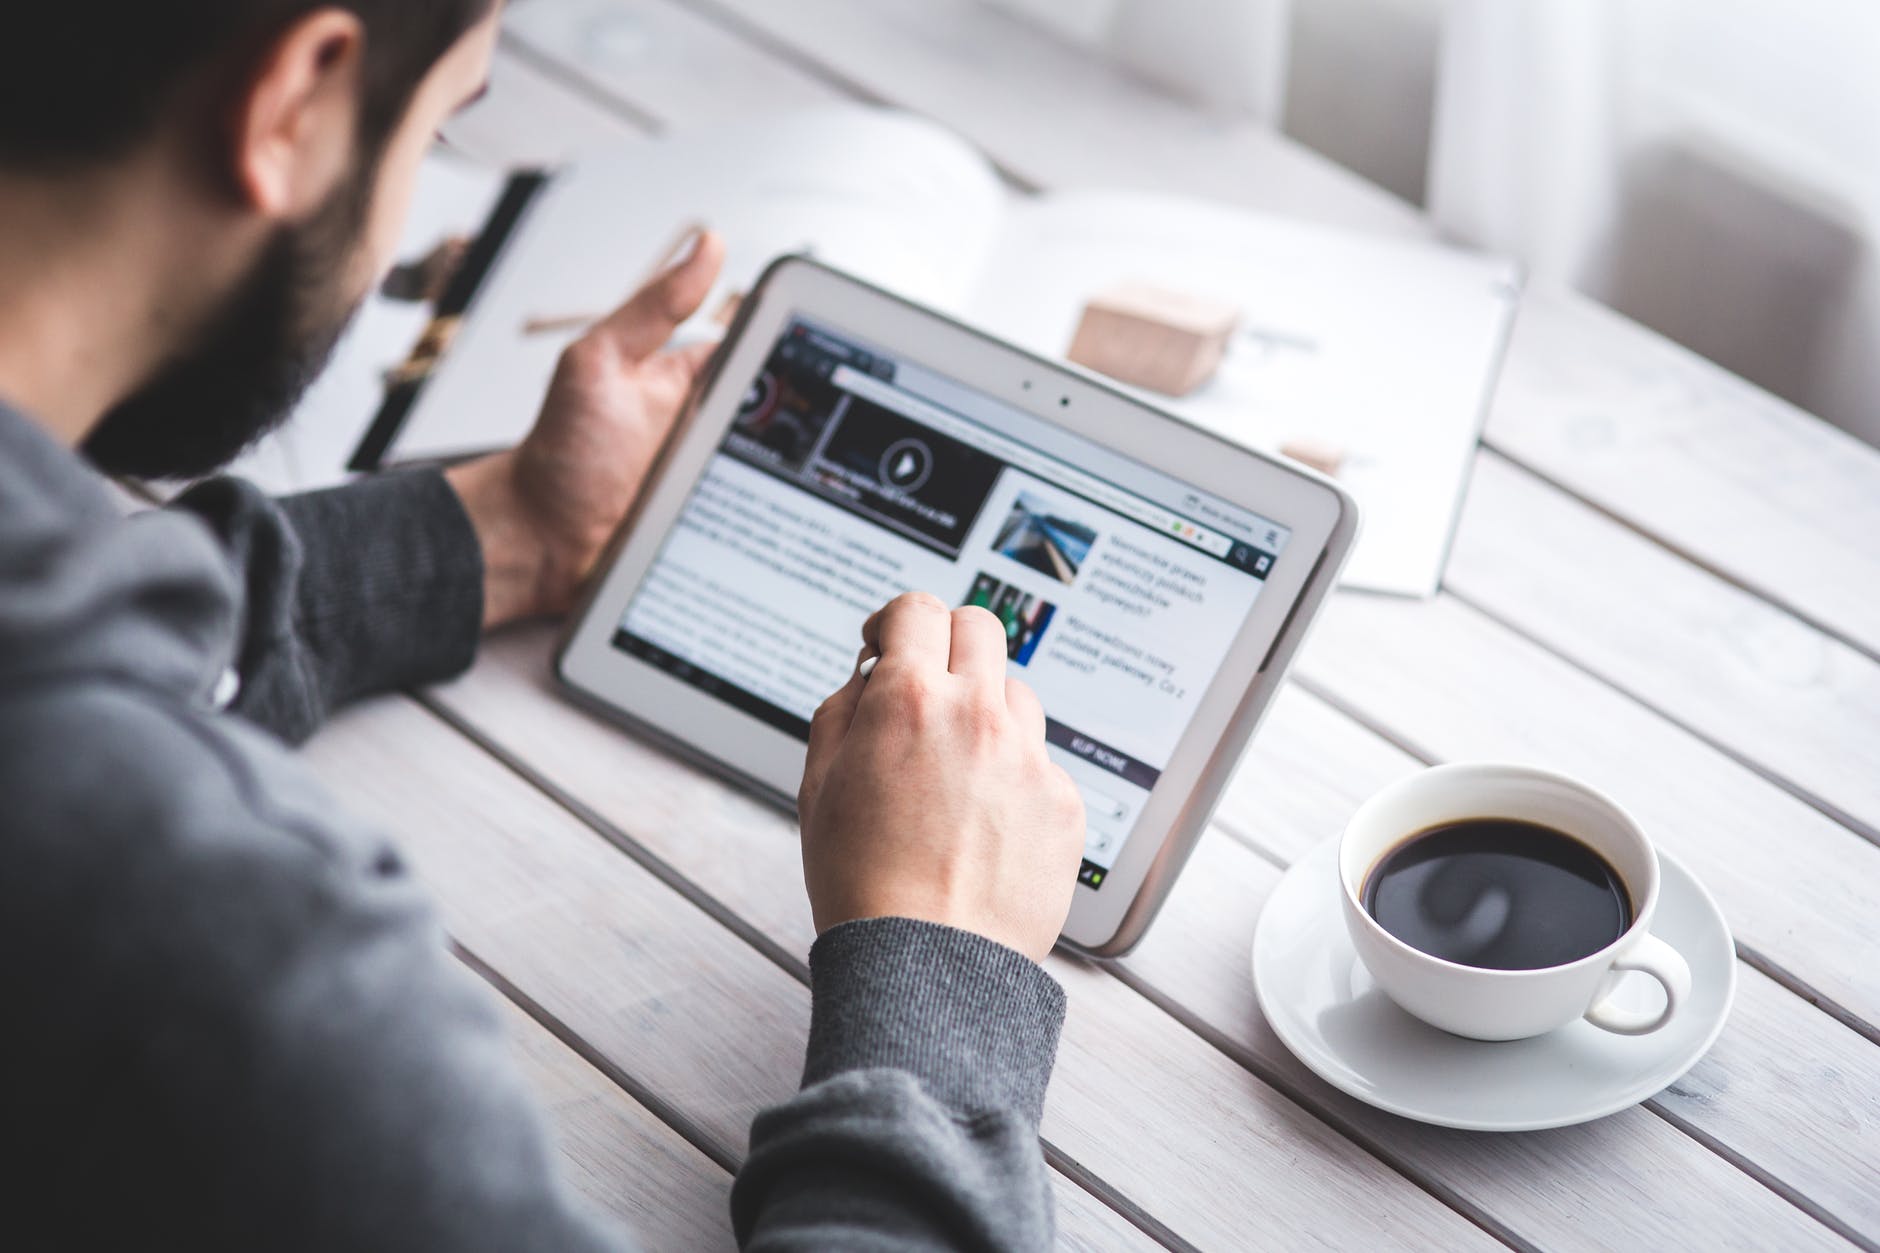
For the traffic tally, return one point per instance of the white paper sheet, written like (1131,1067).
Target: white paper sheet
(453,197)
(889,197)
(1385,349)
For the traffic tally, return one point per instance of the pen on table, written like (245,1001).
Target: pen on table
(560,322)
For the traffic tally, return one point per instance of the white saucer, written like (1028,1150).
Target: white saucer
(1325,1006)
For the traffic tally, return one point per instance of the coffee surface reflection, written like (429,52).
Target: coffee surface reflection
(1498,894)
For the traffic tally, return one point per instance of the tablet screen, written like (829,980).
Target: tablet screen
(851,475)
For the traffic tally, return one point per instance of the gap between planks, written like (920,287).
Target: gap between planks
(1774,971)
(577,80)
(1711,652)
(619,1156)
(517,674)
(607,96)
(1687,555)
(1769,968)
(1233,1052)
(1251,1061)
(728,19)
(1827,809)
(574,80)
(1335,764)
(685,1127)
(735,923)
(1578,497)
(1749,955)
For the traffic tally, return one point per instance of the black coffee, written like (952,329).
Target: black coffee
(1500,894)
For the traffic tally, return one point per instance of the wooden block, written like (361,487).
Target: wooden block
(424,357)
(1327,459)
(1166,341)
(427,278)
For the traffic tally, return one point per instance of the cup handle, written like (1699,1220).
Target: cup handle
(1654,957)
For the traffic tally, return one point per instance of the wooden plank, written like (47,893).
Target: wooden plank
(503,699)
(1749,981)
(521,886)
(1823,756)
(676,1002)
(618,1155)
(1747,676)
(657,64)
(1777,501)
(1047,113)
(1631,1180)
(1786,1089)
(1801,892)
(529,118)
(1135,1092)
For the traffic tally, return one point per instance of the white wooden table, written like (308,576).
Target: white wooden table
(1666,583)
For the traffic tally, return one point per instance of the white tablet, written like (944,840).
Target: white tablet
(848,446)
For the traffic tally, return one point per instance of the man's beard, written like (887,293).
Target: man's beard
(257,355)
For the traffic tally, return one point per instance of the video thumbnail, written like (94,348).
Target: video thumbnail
(1025,616)
(782,415)
(894,469)
(1034,535)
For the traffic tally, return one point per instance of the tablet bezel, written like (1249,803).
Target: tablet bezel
(1319,515)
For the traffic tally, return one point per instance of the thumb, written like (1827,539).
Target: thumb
(827,730)
(690,360)
(668,380)
(642,326)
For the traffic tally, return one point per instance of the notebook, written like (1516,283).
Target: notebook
(1384,350)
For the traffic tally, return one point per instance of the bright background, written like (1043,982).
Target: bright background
(1708,167)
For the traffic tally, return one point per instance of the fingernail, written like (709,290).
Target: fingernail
(687,250)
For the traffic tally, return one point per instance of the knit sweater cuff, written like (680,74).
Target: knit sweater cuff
(975,1022)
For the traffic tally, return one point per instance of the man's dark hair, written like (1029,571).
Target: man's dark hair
(84,81)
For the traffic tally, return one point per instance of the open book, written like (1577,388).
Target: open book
(1385,350)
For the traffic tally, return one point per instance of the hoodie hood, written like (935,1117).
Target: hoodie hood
(85,589)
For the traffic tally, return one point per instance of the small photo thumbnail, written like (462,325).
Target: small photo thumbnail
(1034,534)
(1024,615)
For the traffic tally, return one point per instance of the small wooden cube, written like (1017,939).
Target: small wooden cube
(1327,459)
(1166,341)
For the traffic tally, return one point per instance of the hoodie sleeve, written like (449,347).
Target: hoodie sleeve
(240,1028)
(923,1087)
(345,592)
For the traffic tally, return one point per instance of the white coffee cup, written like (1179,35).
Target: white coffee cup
(1486,1004)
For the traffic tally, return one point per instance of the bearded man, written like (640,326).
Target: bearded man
(231,1019)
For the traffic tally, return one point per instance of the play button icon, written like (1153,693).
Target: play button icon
(906,465)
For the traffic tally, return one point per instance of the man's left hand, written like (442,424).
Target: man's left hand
(544,510)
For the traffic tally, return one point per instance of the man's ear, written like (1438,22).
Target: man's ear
(295,116)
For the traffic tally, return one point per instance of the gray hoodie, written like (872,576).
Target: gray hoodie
(231,1021)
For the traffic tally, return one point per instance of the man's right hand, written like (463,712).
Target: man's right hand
(928,794)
